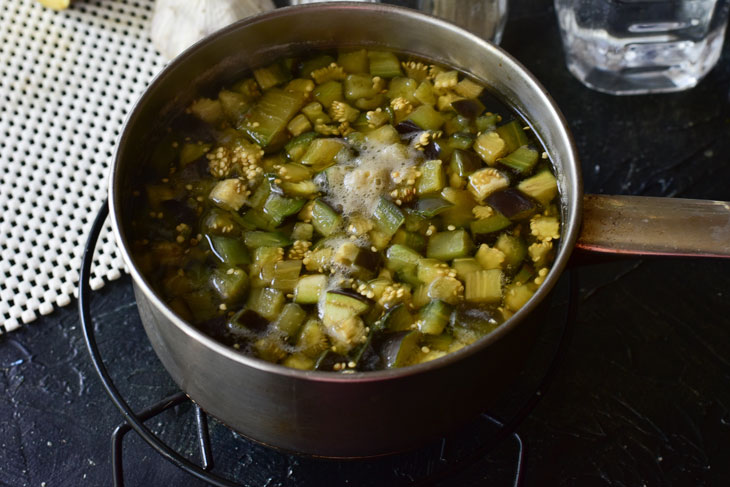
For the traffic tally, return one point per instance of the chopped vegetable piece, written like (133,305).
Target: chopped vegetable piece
(324,219)
(489,258)
(512,204)
(229,194)
(310,288)
(278,207)
(514,249)
(427,117)
(431,206)
(542,186)
(286,274)
(516,295)
(265,239)
(484,286)
(513,135)
(231,284)
(491,224)
(464,163)
(399,257)
(267,120)
(433,318)
(290,320)
(398,318)
(388,217)
(384,64)
(271,76)
(447,289)
(469,108)
(321,153)
(328,92)
(490,147)
(399,348)
(486,181)
(230,251)
(449,245)
(431,179)
(465,266)
(266,301)
(522,159)
(355,62)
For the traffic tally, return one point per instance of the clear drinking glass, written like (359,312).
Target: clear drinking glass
(625,47)
(485,18)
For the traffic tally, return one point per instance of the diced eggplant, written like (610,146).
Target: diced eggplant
(542,186)
(399,256)
(434,149)
(368,259)
(476,320)
(348,299)
(522,160)
(309,288)
(398,318)
(289,320)
(432,319)
(340,317)
(408,129)
(397,349)
(266,301)
(247,319)
(230,251)
(491,224)
(324,219)
(266,239)
(328,360)
(512,204)
(431,206)
(484,286)
(464,163)
(388,217)
(470,108)
(513,135)
(449,245)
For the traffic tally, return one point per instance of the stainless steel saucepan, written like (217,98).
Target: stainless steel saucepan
(372,413)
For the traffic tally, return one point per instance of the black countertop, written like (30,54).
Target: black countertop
(642,396)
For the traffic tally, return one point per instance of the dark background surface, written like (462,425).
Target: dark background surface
(642,396)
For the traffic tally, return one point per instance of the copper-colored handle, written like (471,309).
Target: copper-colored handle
(641,225)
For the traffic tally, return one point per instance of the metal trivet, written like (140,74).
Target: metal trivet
(502,429)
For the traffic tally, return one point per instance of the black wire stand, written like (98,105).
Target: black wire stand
(135,420)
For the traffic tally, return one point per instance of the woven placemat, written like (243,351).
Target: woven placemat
(67,80)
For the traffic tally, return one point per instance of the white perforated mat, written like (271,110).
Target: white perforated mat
(67,80)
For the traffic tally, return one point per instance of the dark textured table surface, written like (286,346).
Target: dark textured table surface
(642,396)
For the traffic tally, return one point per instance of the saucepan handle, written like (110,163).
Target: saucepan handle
(646,226)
